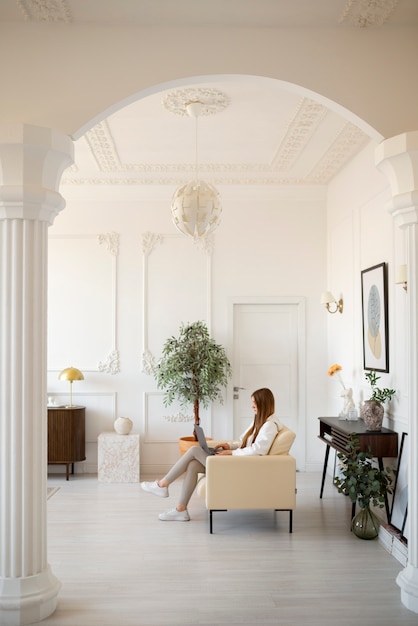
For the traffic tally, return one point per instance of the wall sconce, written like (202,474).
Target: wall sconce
(401,277)
(328,299)
(71,374)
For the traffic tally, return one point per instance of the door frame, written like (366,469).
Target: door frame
(300,302)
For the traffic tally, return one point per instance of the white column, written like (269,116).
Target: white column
(398,159)
(32,160)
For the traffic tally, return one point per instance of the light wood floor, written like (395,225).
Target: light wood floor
(120,566)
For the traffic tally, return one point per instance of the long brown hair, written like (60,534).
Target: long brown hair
(264,401)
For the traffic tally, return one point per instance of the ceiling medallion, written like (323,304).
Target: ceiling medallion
(212,100)
(365,13)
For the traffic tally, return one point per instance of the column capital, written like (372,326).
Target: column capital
(32,160)
(397,158)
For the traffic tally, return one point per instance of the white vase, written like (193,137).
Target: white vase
(123,425)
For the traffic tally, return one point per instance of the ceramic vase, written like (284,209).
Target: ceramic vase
(123,425)
(372,415)
(365,524)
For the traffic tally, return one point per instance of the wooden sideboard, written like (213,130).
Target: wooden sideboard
(66,436)
(336,433)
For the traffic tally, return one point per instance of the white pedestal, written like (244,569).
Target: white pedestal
(118,458)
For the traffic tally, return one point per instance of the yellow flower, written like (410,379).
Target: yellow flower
(334,369)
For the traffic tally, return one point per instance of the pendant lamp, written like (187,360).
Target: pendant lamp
(196,206)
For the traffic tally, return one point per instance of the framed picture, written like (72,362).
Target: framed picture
(400,492)
(374,301)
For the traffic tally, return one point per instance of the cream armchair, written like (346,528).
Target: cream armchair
(252,482)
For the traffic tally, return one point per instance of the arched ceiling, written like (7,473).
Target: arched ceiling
(269,132)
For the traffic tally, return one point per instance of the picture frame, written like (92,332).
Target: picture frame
(374,300)
(399,509)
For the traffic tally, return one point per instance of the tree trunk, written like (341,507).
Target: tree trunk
(196,412)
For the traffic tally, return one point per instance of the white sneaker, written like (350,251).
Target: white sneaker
(155,489)
(174,516)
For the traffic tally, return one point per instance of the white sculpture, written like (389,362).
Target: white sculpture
(347,394)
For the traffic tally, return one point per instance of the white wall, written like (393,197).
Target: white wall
(361,234)
(271,242)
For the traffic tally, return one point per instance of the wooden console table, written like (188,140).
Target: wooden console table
(66,436)
(336,433)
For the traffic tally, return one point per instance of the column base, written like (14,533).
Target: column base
(28,600)
(407,580)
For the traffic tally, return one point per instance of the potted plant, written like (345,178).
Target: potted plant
(364,483)
(193,369)
(372,410)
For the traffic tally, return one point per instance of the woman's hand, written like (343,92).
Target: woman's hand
(224,446)
(224,453)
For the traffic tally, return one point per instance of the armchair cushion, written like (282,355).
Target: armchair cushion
(283,441)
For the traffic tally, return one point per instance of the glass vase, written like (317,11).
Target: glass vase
(365,524)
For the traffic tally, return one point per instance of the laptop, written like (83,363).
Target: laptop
(203,443)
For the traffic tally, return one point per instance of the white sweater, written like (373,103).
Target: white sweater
(263,441)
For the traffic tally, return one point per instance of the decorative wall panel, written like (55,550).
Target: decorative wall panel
(176,285)
(82,302)
(157,417)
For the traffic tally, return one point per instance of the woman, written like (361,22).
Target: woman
(257,440)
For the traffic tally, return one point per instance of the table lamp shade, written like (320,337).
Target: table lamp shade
(71,374)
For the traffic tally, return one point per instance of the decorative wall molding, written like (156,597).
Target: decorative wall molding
(148,361)
(111,240)
(149,242)
(45,10)
(68,296)
(364,13)
(179,418)
(111,364)
(159,424)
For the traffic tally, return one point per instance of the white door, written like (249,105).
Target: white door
(268,351)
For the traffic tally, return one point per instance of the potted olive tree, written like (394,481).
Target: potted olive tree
(372,410)
(193,369)
(365,484)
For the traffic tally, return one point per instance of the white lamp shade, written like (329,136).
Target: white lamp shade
(327,297)
(196,208)
(401,275)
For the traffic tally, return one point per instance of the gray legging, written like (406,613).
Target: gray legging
(193,462)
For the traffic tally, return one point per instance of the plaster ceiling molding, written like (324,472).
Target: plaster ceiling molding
(212,100)
(364,13)
(102,147)
(72,170)
(349,142)
(299,132)
(45,10)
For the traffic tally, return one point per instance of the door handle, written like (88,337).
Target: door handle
(236,392)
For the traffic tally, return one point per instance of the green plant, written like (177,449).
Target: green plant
(193,368)
(363,482)
(378,395)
